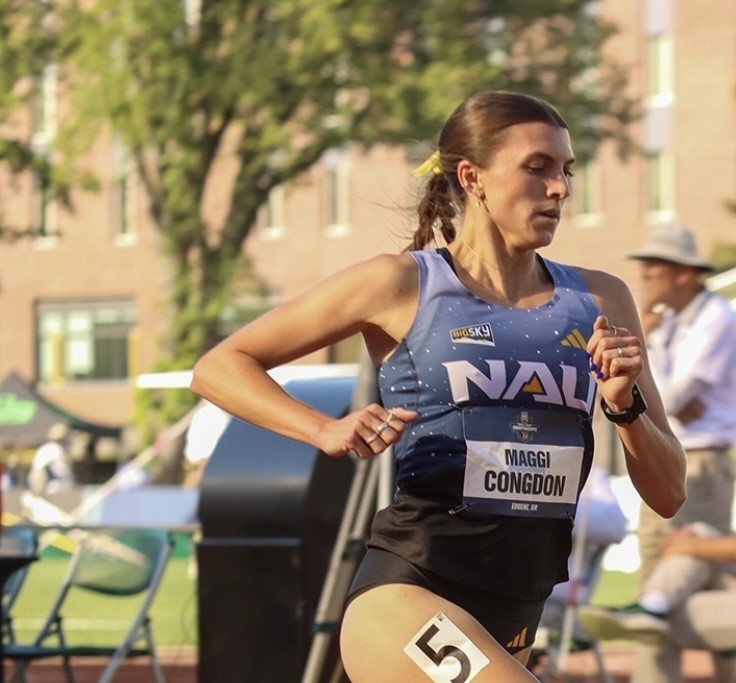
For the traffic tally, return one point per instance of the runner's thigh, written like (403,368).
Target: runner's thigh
(391,634)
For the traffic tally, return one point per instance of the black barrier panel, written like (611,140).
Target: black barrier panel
(250,623)
(270,509)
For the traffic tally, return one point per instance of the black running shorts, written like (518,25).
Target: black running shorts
(513,623)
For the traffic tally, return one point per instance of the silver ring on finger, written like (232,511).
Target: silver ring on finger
(615,330)
(373,437)
(381,428)
(621,353)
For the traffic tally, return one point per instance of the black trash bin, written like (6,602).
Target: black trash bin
(269,509)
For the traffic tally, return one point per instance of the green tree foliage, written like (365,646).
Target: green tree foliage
(271,85)
(26,48)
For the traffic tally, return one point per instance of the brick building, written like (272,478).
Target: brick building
(82,309)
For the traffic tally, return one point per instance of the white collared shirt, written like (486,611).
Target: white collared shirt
(693,355)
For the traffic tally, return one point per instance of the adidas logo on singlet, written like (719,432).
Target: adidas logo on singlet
(575,339)
(519,640)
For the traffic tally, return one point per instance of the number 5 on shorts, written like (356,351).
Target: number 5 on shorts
(445,653)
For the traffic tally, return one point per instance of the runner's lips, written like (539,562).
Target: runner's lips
(550,213)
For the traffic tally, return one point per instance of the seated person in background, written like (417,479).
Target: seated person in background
(688,602)
(51,470)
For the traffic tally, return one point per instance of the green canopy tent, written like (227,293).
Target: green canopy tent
(26,417)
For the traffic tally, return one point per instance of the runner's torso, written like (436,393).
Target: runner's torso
(503,443)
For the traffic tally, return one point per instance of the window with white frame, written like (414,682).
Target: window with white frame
(123,192)
(192,12)
(660,186)
(123,214)
(43,214)
(274,226)
(45,109)
(660,69)
(586,193)
(337,189)
(86,340)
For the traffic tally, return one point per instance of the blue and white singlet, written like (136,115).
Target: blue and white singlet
(489,475)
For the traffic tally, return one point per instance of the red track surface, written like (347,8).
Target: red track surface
(181,667)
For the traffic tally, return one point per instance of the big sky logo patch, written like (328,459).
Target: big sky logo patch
(473,334)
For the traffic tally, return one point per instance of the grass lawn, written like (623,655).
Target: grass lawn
(615,589)
(102,620)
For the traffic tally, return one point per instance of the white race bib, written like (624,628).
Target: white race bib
(522,462)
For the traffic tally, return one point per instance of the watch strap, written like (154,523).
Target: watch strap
(631,413)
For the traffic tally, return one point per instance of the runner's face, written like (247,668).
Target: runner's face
(527,182)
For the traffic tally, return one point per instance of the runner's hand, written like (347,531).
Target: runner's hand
(365,432)
(615,361)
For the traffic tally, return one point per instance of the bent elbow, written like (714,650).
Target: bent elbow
(194,385)
(198,383)
(670,507)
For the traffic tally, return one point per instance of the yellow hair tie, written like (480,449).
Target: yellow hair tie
(431,165)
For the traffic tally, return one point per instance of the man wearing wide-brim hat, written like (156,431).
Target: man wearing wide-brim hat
(691,344)
(675,244)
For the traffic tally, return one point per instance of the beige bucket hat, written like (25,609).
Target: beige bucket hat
(673,243)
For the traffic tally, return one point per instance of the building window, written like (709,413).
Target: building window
(337,186)
(275,214)
(658,16)
(123,191)
(192,13)
(586,193)
(661,187)
(45,107)
(84,340)
(660,70)
(43,209)
(123,200)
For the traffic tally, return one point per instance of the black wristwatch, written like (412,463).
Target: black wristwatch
(631,413)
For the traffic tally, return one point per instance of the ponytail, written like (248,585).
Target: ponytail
(436,213)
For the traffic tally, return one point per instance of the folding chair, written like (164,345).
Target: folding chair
(115,563)
(22,540)
(550,636)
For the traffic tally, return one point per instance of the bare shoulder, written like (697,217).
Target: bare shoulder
(377,296)
(393,261)
(365,291)
(395,267)
(384,274)
(613,296)
(602,283)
